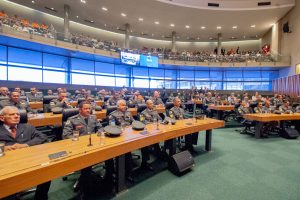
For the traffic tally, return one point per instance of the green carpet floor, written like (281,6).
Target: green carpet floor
(239,167)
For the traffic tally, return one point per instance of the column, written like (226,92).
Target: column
(219,43)
(66,21)
(127,31)
(173,41)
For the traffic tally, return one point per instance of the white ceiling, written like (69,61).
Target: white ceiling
(166,12)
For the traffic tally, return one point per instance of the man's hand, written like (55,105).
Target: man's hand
(15,146)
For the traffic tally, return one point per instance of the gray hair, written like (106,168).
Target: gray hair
(121,101)
(4,110)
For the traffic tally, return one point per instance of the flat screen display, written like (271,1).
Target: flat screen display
(148,61)
(130,58)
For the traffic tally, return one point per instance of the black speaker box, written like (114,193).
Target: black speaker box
(181,162)
(289,133)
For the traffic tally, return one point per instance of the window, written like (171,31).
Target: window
(187,75)
(156,73)
(216,86)
(138,72)
(156,83)
(120,82)
(105,81)
(54,77)
(3,72)
(233,86)
(140,83)
(233,76)
(186,84)
(267,86)
(123,70)
(170,84)
(252,75)
(82,66)
(201,75)
(54,62)
(24,74)
(25,58)
(171,74)
(82,79)
(269,75)
(3,55)
(216,75)
(202,84)
(104,69)
(252,85)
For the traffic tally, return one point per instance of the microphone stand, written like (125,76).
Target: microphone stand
(90,140)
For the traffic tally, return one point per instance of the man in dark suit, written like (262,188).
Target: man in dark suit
(17,136)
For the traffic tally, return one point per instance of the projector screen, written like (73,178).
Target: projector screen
(130,58)
(148,61)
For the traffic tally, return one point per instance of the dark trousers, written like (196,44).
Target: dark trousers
(41,192)
(85,181)
(191,140)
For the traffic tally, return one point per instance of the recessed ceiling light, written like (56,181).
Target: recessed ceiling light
(52,8)
(244,37)
(203,27)
(77,16)
(252,26)
(141,19)
(92,21)
(123,14)
(104,8)
(187,26)
(234,27)
(157,22)
(33,2)
(172,25)
(219,27)
(198,38)
(210,38)
(83,1)
(152,34)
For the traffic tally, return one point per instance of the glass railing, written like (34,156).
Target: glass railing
(207,59)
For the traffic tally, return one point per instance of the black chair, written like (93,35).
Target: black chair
(141,107)
(68,112)
(252,106)
(110,109)
(46,102)
(106,98)
(168,106)
(127,97)
(79,100)
(23,116)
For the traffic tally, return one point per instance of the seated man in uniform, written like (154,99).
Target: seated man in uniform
(18,89)
(259,108)
(285,108)
(267,108)
(157,101)
(34,96)
(81,95)
(136,99)
(85,123)
(14,100)
(100,95)
(17,136)
(114,99)
(178,113)
(297,109)
(61,102)
(123,117)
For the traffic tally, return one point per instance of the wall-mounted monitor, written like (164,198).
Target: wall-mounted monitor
(130,58)
(148,61)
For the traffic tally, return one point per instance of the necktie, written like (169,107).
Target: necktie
(86,120)
(13,131)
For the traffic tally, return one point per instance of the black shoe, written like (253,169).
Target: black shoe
(147,166)
(130,178)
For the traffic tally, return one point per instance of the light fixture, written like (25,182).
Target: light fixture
(104,8)
(77,16)
(83,1)
(244,36)
(141,19)
(105,25)
(210,38)
(157,22)
(219,27)
(33,2)
(203,27)
(234,27)
(52,8)
(187,26)
(92,21)
(253,26)
(172,25)
(123,15)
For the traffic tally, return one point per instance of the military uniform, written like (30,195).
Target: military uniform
(80,96)
(284,109)
(135,101)
(243,110)
(297,110)
(121,117)
(57,103)
(190,139)
(148,116)
(100,97)
(34,97)
(22,105)
(84,125)
(157,101)
(269,109)
(258,110)
(112,101)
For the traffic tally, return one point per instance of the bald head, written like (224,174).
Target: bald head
(149,104)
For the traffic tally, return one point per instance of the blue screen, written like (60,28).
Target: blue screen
(130,58)
(148,61)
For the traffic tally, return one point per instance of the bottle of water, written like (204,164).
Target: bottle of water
(102,138)
(112,122)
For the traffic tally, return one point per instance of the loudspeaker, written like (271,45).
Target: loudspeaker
(289,133)
(181,162)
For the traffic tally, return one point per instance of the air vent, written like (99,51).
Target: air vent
(213,4)
(263,3)
(51,9)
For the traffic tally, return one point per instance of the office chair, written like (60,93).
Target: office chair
(168,106)
(23,116)
(46,102)
(79,100)
(127,97)
(106,98)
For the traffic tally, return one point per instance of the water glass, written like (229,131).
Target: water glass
(2,144)
(75,135)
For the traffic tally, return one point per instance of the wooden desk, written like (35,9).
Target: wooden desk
(220,109)
(268,117)
(27,167)
(36,105)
